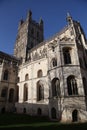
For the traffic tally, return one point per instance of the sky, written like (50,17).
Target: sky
(53,13)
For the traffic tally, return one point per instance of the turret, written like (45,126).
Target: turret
(29,16)
(41,23)
(20,23)
(69,19)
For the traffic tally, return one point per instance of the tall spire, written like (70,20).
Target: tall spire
(69,18)
(41,21)
(29,15)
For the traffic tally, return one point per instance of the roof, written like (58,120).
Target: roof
(8,56)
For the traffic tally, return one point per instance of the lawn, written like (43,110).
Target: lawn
(27,122)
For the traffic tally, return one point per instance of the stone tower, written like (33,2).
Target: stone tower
(30,33)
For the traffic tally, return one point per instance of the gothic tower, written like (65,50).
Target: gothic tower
(30,33)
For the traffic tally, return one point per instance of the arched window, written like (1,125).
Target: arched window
(75,116)
(55,87)
(25,92)
(39,111)
(53,113)
(11,95)
(39,73)
(85,85)
(26,77)
(40,91)
(4,92)
(5,77)
(66,55)
(54,62)
(72,85)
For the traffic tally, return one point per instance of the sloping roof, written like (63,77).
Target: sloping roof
(8,56)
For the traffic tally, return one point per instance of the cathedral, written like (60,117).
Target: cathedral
(46,77)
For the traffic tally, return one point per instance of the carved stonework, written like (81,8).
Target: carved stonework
(36,56)
(44,52)
(40,54)
(52,45)
(65,38)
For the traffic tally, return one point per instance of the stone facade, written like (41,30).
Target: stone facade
(8,81)
(52,76)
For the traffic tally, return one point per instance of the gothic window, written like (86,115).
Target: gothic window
(11,95)
(5,77)
(54,62)
(72,85)
(55,87)
(25,92)
(4,92)
(66,55)
(85,85)
(40,91)
(39,73)
(53,113)
(26,77)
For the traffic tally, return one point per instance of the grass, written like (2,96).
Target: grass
(9,121)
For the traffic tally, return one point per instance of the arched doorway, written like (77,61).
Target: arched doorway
(24,110)
(75,116)
(3,110)
(39,111)
(53,113)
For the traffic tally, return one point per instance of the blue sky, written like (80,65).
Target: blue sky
(53,13)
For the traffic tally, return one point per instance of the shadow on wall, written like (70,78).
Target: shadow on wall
(32,109)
